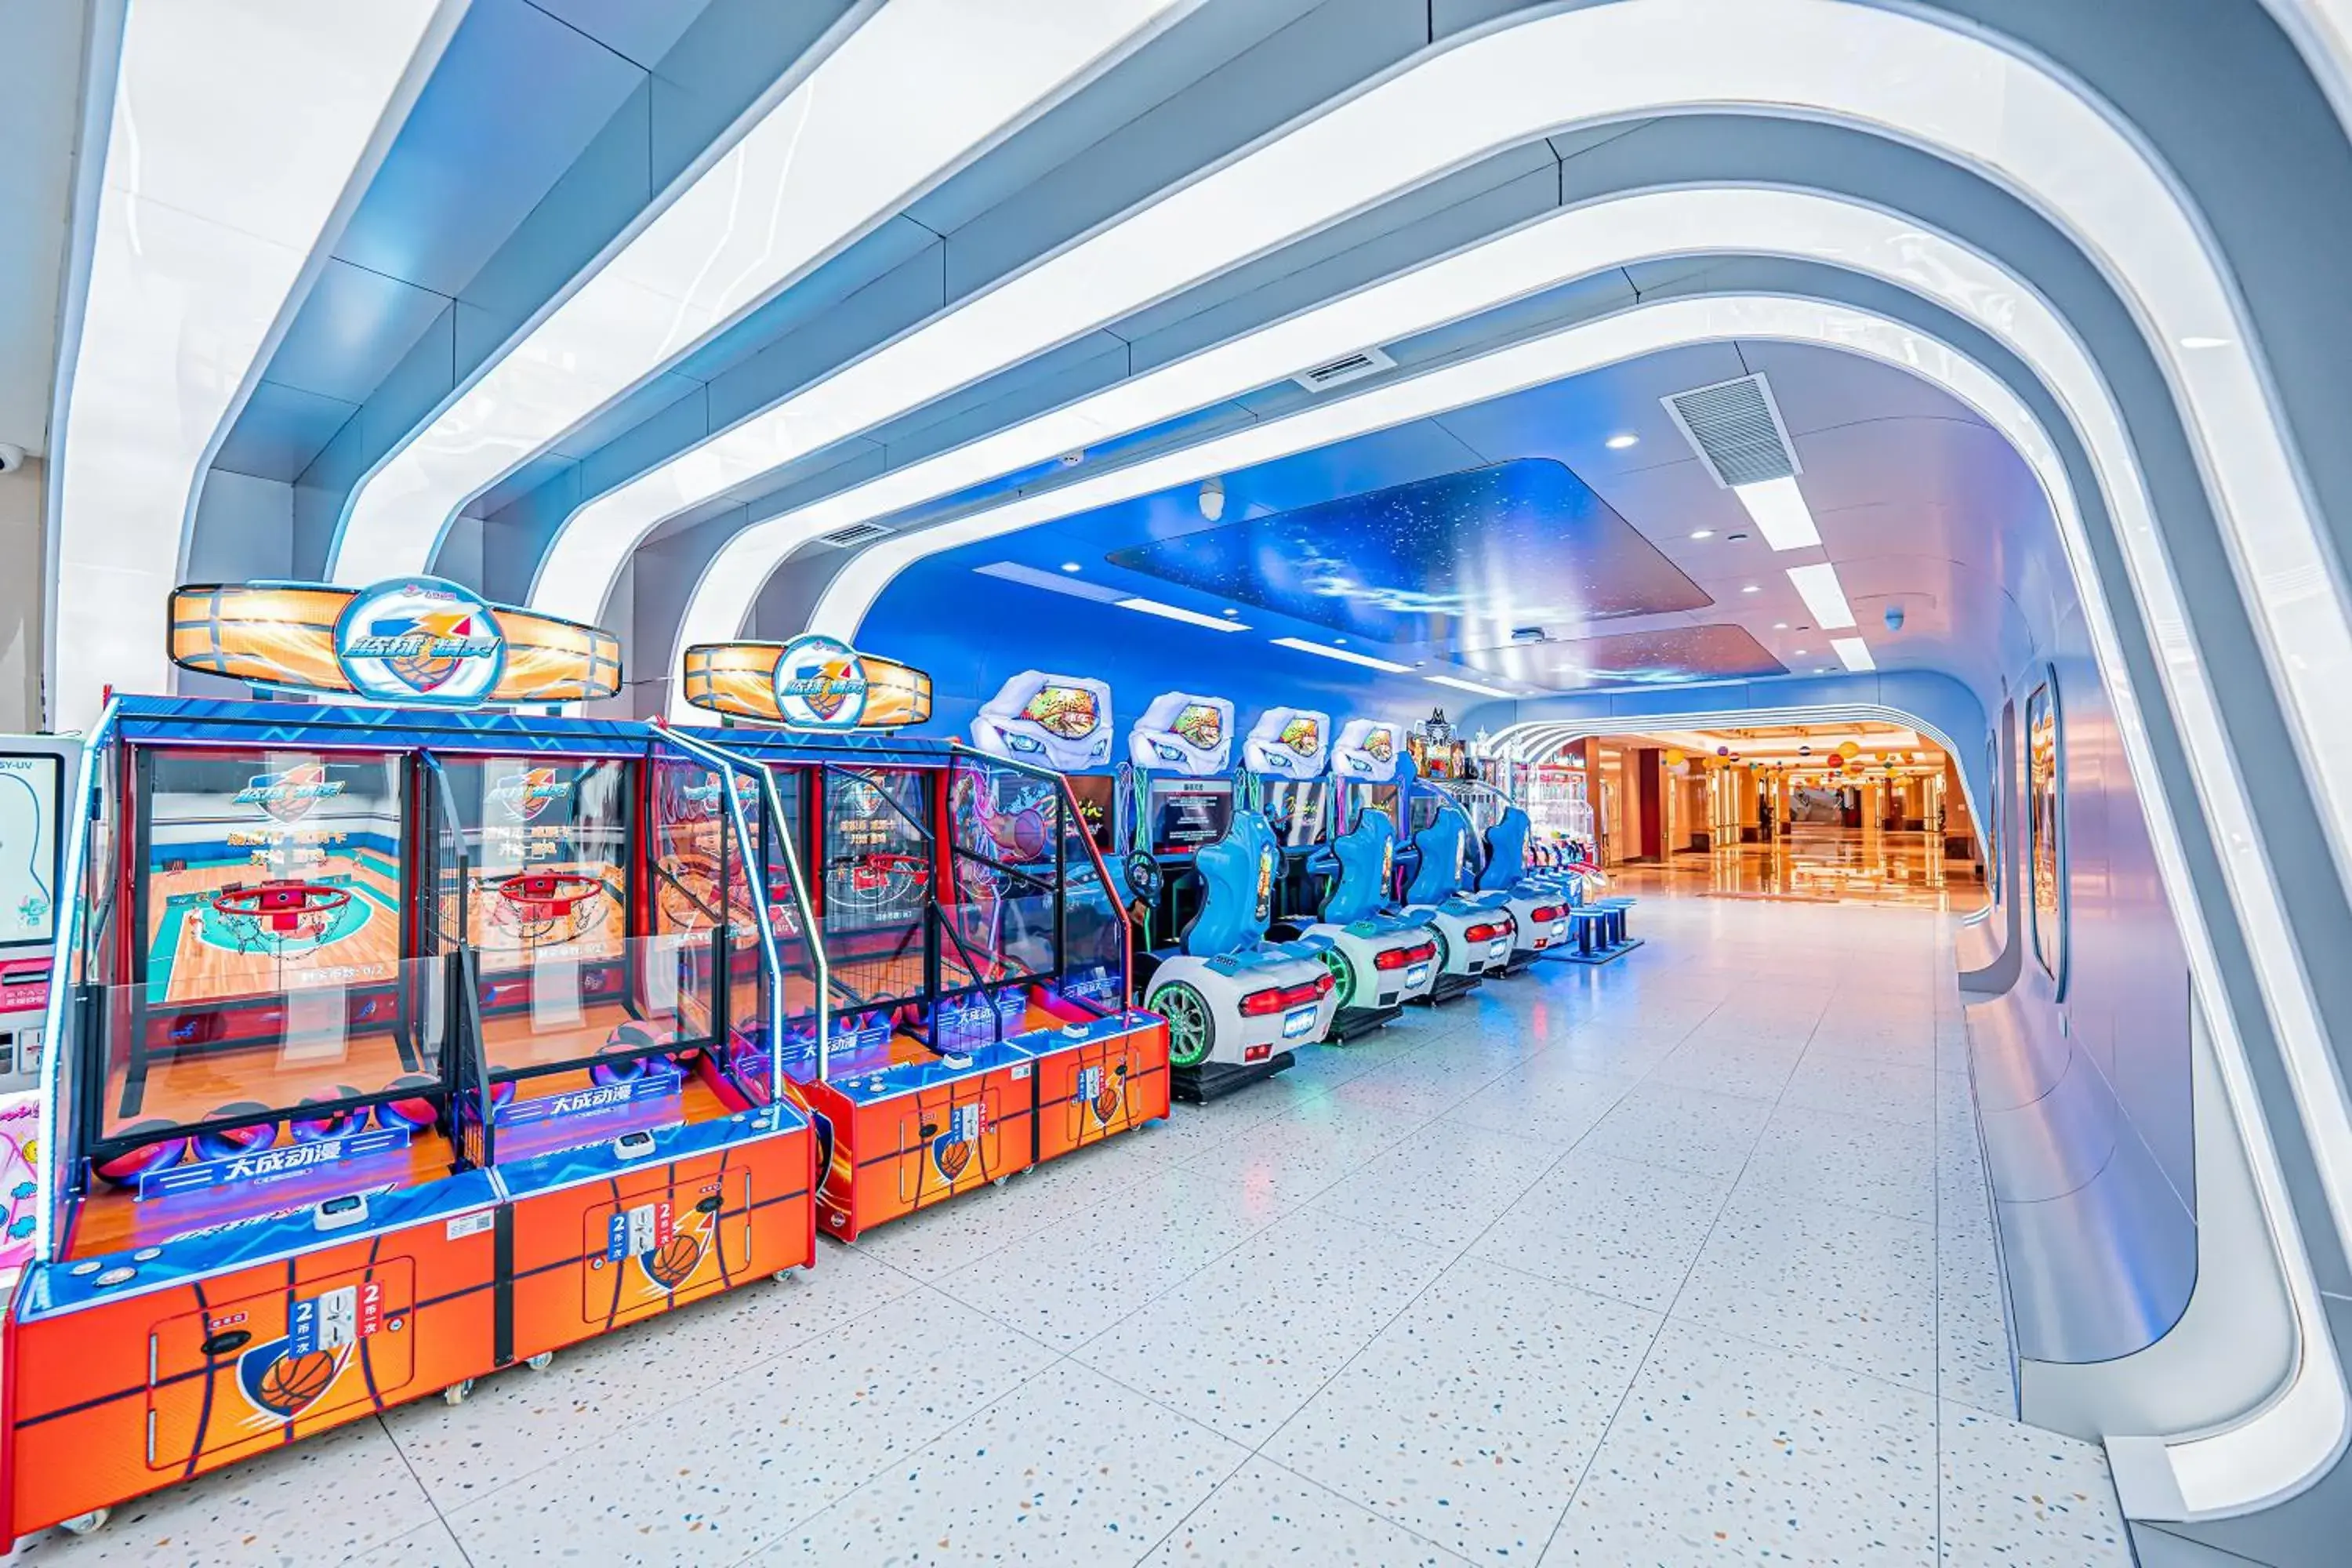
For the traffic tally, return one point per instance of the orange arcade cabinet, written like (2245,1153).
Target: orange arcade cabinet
(970,1017)
(388,1046)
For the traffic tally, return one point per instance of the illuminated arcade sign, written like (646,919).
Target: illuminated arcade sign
(1367,750)
(1289,742)
(1183,732)
(409,640)
(812,682)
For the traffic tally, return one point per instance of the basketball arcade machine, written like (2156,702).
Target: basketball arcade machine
(286,1180)
(974,1019)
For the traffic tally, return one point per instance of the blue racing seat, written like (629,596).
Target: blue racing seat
(1237,876)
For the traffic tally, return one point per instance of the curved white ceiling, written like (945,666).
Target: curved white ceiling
(918,91)
(205,230)
(1956,94)
(2219,1473)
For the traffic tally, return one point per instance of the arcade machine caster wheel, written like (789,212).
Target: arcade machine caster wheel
(784,1276)
(456,1393)
(89,1523)
(540,1362)
(1002,1180)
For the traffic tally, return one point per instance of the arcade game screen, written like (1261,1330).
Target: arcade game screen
(269,999)
(549,852)
(271,880)
(1382,798)
(1095,795)
(1295,809)
(545,902)
(1188,813)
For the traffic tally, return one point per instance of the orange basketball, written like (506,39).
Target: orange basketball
(954,1158)
(1107,1098)
(289,1385)
(671,1263)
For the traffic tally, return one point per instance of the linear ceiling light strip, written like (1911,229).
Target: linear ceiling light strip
(207,221)
(917,91)
(2221,1472)
(1956,94)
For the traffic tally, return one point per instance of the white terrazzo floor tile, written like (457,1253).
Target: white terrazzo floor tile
(1071,1467)
(322,1499)
(1684,1129)
(431,1547)
(2018,1494)
(1849,1287)
(715,1477)
(1469,1419)
(519,1420)
(1725,1064)
(1822,1156)
(1542,1102)
(1265,1517)
(1244,1342)
(1729,1452)
(1298,1155)
(1608,1225)
(1850,1086)
(1442,1186)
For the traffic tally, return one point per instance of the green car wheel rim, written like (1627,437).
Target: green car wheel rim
(1343,973)
(1188,1031)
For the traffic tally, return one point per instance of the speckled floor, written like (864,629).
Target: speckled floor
(1683,1261)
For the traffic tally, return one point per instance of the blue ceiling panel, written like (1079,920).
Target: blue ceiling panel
(284,429)
(639,31)
(1408,564)
(354,327)
(514,98)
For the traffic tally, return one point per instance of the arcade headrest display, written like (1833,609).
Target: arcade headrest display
(1237,874)
(1367,855)
(1506,851)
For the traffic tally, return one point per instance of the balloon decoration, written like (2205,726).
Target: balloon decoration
(1674,758)
(1849,749)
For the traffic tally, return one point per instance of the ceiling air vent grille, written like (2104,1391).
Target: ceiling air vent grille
(1341,371)
(850,538)
(1737,431)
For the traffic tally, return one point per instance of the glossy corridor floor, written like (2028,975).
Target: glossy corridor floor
(1683,1261)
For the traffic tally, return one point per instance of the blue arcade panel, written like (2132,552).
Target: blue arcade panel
(1662,657)
(1409,563)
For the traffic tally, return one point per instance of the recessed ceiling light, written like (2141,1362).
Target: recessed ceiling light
(1297,645)
(1339,642)
(1069,566)
(1799,653)
(1779,511)
(1618,443)
(1232,612)
(1178,613)
(1702,534)
(1459,685)
(1751,588)
(1780,625)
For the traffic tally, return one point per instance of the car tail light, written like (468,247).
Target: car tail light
(1547,914)
(1398,957)
(1488,932)
(1258,1004)
(1306,991)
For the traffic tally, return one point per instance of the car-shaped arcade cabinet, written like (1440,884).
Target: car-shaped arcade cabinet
(1539,902)
(1475,931)
(1336,889)
(967,1014)
(1205,875)
(389,1046)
